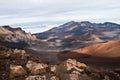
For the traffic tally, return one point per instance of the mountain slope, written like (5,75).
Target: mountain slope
(79,28)
(80,34)
(15,37)
(107,51)
(14,34)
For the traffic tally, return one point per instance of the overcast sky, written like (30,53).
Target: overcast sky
(41,15)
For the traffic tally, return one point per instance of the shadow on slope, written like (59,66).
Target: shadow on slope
(18,45)
(91,60)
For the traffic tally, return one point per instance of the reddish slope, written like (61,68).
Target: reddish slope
(108,49)
(102,51)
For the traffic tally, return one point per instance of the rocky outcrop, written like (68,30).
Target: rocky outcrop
(15,37)
(53,68)
(14,34)
(70,69)
(54,78)
(16,71)
(69,65)
(37,77)
(21,66)
(36,68)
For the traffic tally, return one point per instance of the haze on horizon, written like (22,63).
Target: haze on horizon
(41,15)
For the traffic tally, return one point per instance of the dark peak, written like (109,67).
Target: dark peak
(13,29)
(86,22)
(71,22)
(18,29)
(6,26)
(10,28)
(110,23)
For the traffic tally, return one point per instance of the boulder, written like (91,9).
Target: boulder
(39,77)
(106,77)
(16,51)
(75,72)
(53,68)
(69,77)
(69,65)
(36,68)
(16,70)
(36,77)
(20,52)
(54,78)
(86,77)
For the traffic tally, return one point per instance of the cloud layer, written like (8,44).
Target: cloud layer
(53,12)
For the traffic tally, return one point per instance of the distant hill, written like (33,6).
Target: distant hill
(79,34)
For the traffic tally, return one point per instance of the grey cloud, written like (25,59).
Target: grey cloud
(35,12)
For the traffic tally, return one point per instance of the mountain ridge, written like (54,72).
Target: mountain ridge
(15,37)
(73,33)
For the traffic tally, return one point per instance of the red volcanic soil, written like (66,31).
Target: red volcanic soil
(107,49)
(101,52)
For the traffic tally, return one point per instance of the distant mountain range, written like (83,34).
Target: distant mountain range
(60,53)
(65,39)
(79,34)
(71,35)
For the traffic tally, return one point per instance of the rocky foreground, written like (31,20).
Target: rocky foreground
(18,65)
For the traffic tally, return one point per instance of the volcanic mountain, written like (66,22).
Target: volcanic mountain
(67,37)
(74,35)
